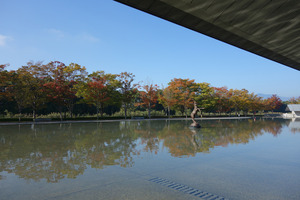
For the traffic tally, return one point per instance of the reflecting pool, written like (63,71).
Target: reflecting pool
(158,159)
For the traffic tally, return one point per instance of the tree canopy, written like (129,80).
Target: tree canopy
(56,87)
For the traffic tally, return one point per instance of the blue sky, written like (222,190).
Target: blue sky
(106,35)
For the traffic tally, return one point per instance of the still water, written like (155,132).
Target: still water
(160,159)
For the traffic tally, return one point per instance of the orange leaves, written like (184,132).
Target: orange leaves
(96,92)
(149,96)
(222,96)
(167,98)
(273,103)
(294,100)
(184,92)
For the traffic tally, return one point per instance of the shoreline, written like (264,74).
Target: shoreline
(115,120)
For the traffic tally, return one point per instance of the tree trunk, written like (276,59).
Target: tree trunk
(149,113)
(97,112)
(34,110)
(20,112)
(101,110)
(71,109)
(168,111)
(149,110)
(60,114)
(125,110)
(33,114)
(70,106)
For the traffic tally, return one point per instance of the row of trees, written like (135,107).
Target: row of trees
(37,85)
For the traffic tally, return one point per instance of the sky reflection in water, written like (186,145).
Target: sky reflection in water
(53,154)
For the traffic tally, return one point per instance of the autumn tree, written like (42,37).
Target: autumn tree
(167,99)
(112,84)
(33,77)
(96,94)
(294,100)
(221,98)
(4,82)
(255,103)
(184,93)
(148,97)
(128,89)
(16,90)
(59,88)
(98,90)
(204,95)
(272,103)
(74,74)
(238,99)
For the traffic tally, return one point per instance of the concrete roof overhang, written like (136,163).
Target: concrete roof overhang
(269,28)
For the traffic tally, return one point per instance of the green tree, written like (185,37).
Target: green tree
(16,91)
(128,89)
(33,76)
(4,83)
(255,103)
(238,99)
(74,74)
(204,96)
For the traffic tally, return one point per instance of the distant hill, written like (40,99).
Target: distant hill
(265,96)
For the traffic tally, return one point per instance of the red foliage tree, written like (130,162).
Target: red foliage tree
(59,89)
(221,96)
(273,103)
(148,97)
(96,93)
(184,92)
(166,98)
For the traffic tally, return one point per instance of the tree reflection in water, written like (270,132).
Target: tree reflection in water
(55,152)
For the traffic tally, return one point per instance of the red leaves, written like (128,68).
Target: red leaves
(149,96)
(183,90)
(96,91)
(273,103)
(59,89)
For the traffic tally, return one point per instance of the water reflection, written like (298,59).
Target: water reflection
(55,152)
(294,125)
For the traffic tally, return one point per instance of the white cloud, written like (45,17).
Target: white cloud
(56,32)
(89,38)
(79,36)
(4,39)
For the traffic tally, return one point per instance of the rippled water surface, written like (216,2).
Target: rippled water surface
(160,159)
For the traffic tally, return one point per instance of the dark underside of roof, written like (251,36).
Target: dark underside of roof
(267,28)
